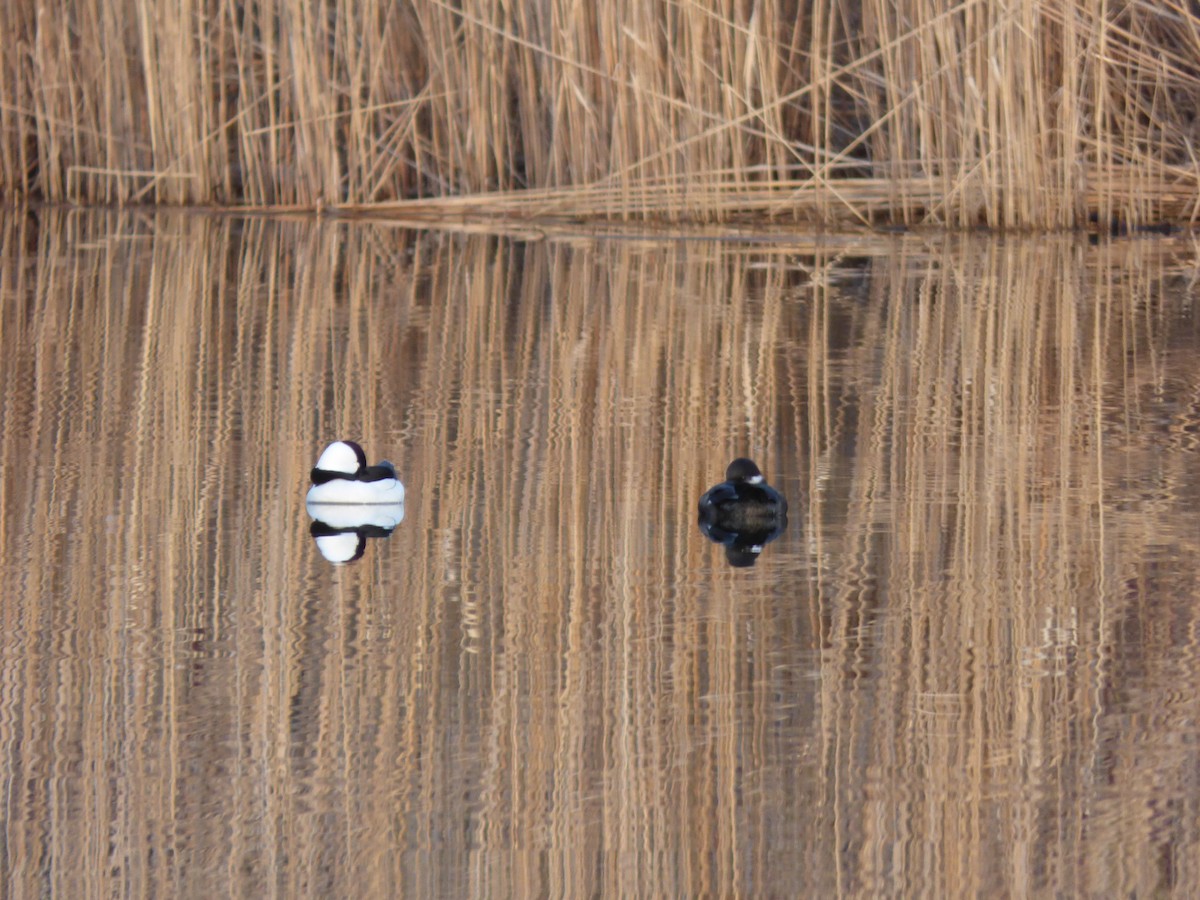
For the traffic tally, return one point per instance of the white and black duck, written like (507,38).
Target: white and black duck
(342,475)
(350,501)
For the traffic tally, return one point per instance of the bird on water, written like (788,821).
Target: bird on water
(350,502)
(342,475)
(743,512)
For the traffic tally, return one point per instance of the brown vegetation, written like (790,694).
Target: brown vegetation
(1031,113)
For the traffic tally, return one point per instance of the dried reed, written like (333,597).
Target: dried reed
(1034,113)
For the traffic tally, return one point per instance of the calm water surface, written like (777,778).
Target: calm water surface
(969,667)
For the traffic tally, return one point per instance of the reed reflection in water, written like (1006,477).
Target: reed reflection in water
(968,665)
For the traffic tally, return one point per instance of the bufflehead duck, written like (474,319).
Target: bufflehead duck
(743,512)
(342,475)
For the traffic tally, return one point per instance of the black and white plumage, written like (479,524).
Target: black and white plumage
(350,501)
(342,476)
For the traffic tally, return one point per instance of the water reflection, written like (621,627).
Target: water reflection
(340,530)
(743,513)
(967,673)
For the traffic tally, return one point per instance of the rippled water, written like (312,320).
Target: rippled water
(969,666)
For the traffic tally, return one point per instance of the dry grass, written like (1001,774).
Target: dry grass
(1032,113)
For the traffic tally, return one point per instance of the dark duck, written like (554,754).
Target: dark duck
(743,512)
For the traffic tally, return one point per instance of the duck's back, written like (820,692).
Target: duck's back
(739,505)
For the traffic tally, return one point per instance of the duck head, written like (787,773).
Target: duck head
(341,459)
(742,469)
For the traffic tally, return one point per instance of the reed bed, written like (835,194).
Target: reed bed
(959,672)
(1024,114)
